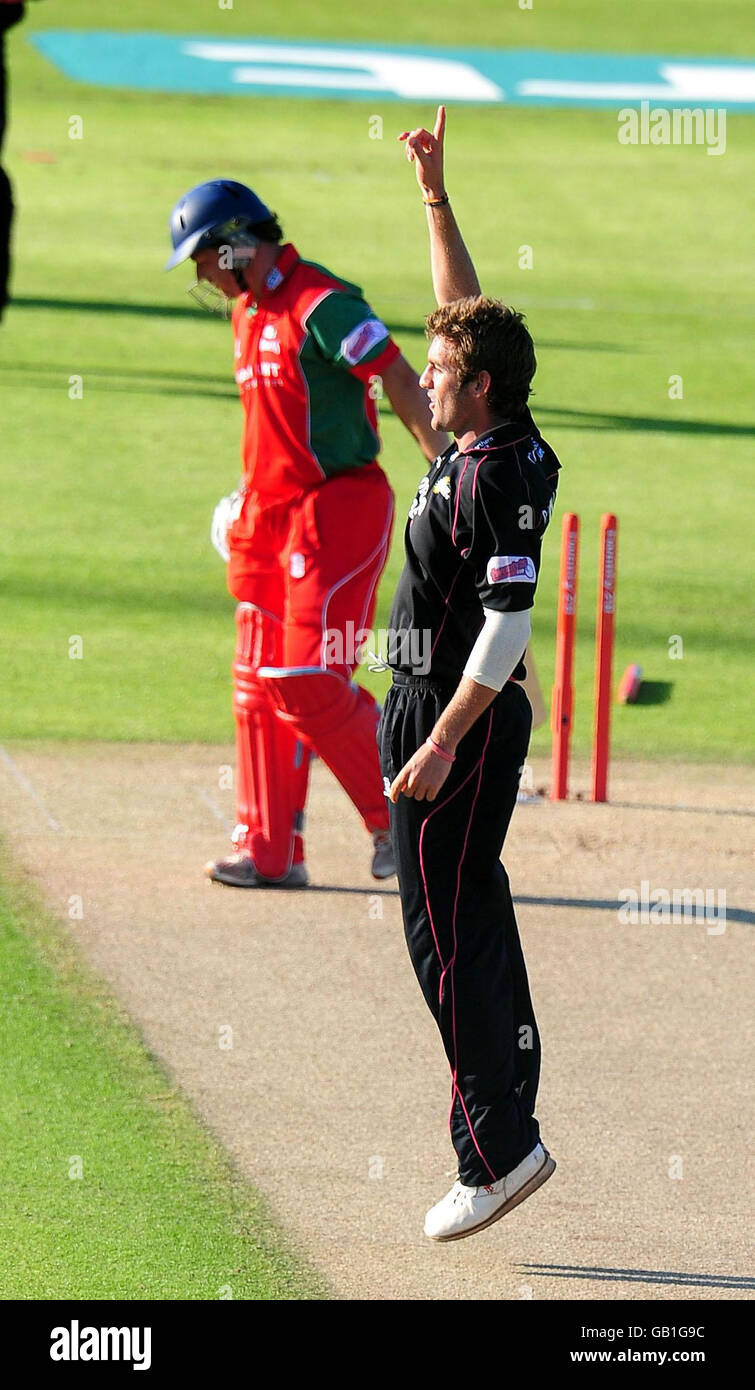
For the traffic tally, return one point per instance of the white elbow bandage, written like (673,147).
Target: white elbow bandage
(499,647)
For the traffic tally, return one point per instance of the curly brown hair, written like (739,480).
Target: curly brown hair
(484,335)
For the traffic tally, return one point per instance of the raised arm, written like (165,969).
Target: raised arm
(454,276)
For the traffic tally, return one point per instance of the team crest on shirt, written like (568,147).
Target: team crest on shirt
(537,452)
(420,501)
(440,488)
(269,339)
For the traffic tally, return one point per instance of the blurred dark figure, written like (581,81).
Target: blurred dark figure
(10,13)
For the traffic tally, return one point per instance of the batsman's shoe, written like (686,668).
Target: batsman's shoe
(383,862)
(239,871)
(465,1210)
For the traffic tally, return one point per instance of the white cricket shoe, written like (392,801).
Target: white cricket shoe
(465,1210)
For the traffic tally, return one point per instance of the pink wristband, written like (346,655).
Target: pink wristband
(447,757)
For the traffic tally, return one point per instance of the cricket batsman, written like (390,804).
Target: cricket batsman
(454,738)
(306,536)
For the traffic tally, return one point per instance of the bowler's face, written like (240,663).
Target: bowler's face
(440,380)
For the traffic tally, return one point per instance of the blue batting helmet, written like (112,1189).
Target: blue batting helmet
(211,212)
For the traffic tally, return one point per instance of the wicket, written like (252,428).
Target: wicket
(563,691)
(562,707)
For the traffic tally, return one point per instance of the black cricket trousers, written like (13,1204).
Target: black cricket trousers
(459,919)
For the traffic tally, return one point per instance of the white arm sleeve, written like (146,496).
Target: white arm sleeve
(499,647)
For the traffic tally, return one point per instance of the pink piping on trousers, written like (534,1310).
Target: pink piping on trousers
(448,967)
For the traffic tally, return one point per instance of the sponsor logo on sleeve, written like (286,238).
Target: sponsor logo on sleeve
(361,339)
(511,569)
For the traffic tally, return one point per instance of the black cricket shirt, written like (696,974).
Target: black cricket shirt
(472,539)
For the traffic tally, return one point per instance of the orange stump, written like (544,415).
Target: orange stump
(563,690)
(604,656)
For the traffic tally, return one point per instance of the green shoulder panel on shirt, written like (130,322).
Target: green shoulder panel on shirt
(341,434)
(345,285)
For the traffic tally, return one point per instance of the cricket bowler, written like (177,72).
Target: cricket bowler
(306,536)
(454,739)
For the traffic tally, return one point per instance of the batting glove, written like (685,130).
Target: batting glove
(226,512)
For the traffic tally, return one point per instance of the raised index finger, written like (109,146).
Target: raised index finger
(440,124)
(397,786)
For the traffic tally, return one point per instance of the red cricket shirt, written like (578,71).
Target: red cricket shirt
(307,353)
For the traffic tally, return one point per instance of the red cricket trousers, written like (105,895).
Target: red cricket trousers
(305,574)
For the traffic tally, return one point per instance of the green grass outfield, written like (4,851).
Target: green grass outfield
(158,1212)
(639,274)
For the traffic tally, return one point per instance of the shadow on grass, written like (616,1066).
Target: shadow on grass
(169,311)
(143,383)
(654,693)
(161,373)
(553,344)
(129,599)
(108,306)
(120,379)
(186,383)
(603,420)
(112,306)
